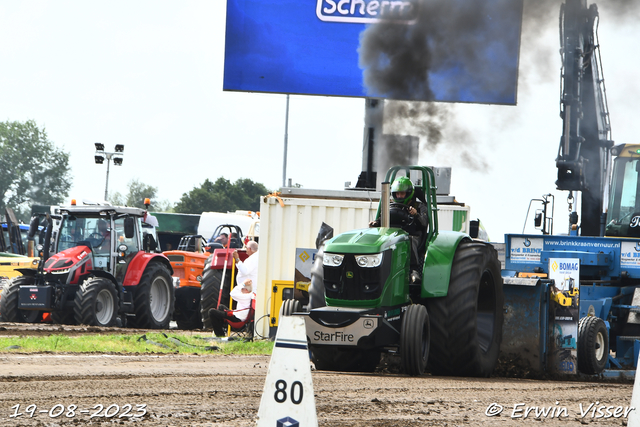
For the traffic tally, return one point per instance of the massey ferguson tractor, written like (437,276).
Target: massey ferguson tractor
(364,299)
(103,270)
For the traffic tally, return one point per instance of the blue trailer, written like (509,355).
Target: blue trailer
(600,311)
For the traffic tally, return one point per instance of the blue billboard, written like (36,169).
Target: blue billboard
(430,50)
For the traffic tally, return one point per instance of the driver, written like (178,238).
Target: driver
(402,192)
(105,235)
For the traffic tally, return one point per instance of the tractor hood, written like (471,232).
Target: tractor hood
(365,241)
(63,262)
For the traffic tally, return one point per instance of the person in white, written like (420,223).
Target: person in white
(243,293)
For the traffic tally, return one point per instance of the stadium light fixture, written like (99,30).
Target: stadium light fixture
(116,156)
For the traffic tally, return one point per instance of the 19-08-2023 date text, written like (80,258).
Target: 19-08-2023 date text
(70,411)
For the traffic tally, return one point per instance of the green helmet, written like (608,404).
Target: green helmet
(402,184)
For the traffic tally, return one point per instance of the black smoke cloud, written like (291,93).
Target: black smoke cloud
(463,42)
(398,61)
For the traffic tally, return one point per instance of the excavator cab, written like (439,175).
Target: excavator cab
(623,215)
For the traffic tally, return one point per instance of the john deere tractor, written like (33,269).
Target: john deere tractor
(365,300)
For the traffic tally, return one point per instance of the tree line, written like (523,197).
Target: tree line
(33,171)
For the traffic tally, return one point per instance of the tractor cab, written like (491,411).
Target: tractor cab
(623,215)
(109,238)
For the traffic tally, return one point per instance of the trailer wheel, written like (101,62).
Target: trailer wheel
(154,298)
(210,291)
(289,307)
(96,302)
(329,358)
(316,287)
(593,345)
(414,340)
(9,302)
(466,325)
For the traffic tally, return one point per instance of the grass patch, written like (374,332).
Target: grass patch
(131,344)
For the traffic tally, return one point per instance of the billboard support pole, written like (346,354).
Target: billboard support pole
(286,142)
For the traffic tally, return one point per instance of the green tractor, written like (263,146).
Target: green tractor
(364,299)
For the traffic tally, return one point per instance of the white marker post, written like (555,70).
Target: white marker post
(287,398)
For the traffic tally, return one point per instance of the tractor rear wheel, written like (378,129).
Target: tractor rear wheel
(9,302)
(96,302)
(154,298)
(466,325)
(328,358)
(210,291)
(593,345)
(316,288)
(414,340)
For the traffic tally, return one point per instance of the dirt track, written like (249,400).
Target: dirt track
(191,390)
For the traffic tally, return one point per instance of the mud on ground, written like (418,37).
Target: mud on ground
(220,390)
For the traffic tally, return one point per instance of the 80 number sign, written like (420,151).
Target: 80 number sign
(295,393)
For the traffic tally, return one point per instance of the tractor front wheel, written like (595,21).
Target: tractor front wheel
(63,317)
(9,302)
(290,306)
(316,288)
(414,340)
(593,345)
(96,302)
(154,298)
(466,325)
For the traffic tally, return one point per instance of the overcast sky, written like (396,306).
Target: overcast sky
(148,74)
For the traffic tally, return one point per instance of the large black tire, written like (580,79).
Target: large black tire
(414,340)
(316,287)
(187,308)
(3,283)
(9,302)
(328,358)
(66,317)
(96,302)
(210,292)
(466,325)
(154,298)
(289,307)
(593,345)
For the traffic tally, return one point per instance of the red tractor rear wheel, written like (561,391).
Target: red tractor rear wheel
(154,298)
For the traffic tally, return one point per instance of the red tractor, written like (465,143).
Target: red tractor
(104,271)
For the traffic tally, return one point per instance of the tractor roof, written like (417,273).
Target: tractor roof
(102,209)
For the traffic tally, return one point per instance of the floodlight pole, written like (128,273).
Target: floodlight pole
(106,184)
(101,155)
(286,142)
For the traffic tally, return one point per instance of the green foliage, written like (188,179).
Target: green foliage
(33,170)
(138,191)
(222,196)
